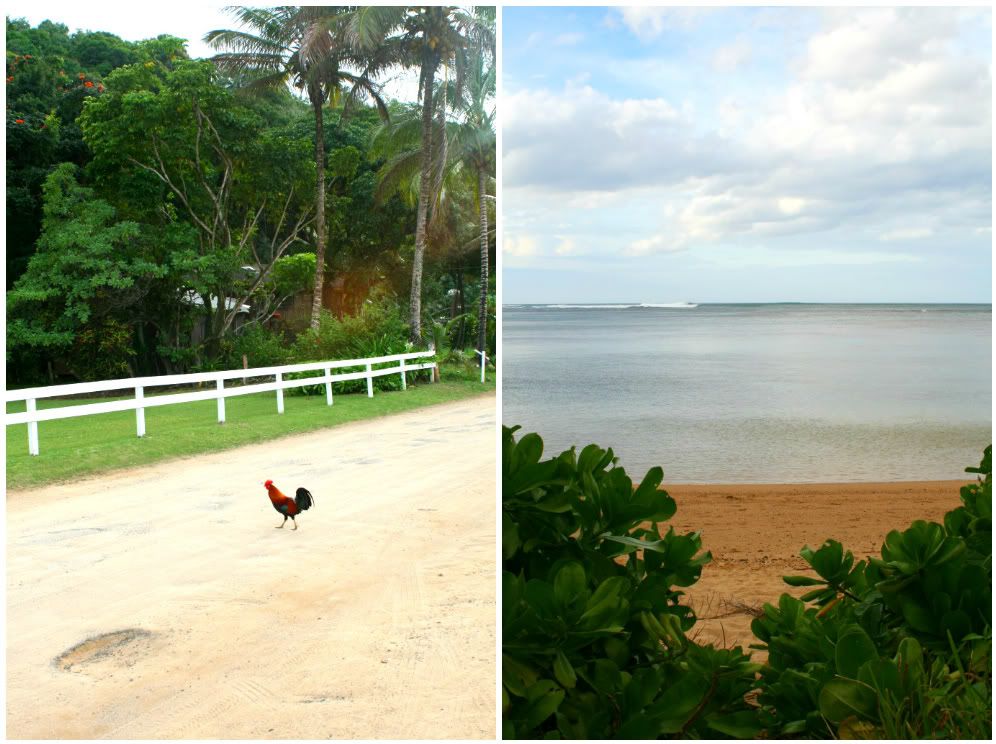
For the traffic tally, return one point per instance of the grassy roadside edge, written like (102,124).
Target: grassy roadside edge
(69,452)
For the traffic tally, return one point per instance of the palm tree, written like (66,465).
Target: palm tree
(430,36)
(475,143)
(301,46)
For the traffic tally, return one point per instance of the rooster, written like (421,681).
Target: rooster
(289,507)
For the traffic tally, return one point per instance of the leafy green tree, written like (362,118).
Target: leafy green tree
(90,270)
(298,45)
(50,75)
(209,164)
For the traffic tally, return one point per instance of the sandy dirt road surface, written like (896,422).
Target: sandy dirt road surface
(755,533)
(199,619)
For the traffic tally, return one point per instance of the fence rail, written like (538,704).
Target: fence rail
(32,415)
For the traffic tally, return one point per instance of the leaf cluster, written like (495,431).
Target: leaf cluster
(892,647)
(594,627)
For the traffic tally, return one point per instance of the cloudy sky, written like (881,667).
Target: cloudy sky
(744,154)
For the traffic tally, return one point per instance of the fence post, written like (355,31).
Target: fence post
(404,382)
(484,357)
(280,394)
(140,412)
(328,385)
(221,401)
(370,381)
(32,430)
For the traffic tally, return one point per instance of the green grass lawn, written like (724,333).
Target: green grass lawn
(90,444)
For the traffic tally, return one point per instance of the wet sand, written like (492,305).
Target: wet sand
(755,533)
(161,602)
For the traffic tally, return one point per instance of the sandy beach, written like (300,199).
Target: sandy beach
(161,602)
(755,533)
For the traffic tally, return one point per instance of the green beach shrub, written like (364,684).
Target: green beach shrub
(594,642)
(892,647)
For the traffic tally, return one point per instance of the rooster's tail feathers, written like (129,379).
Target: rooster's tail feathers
(304,499)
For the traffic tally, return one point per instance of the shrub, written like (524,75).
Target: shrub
(594,626)
(261,347)
(103,351)
(893,647)
(377,330)
(594,629)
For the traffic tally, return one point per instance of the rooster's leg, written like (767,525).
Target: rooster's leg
(281,525)
(295,522)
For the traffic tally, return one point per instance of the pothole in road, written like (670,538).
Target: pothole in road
(121,647)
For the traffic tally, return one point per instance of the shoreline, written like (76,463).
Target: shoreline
(756,530)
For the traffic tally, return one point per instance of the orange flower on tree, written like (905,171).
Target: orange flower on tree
(18,121)
(81,76)
(87,84)
(100,88)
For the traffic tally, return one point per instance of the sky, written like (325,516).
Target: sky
(186,20)
(746,154)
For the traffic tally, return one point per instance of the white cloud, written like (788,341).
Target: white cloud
(911,233)
(520,246)
(791,205)
(648,22)
(566,247)
(732,56)
(767,257)
(655,244)
(886,115)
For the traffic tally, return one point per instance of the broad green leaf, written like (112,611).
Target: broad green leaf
(741,725)
(802,581)
(544,699)
(882,675)
(677,702)
(563,670)
(570,585)
(842,697)
(854,649)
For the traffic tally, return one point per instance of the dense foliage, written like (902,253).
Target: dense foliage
(895,647)
(594,642)
(594,628)
(161,218)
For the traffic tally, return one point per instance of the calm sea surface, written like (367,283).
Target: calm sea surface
(757,393)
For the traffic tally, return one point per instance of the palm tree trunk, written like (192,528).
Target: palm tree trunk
(316,303)
(482,313)
(424,191)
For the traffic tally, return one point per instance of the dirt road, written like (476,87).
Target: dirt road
(198,619)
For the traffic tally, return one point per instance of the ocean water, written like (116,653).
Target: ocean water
(789,393)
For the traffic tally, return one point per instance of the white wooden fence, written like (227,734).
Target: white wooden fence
(32,415)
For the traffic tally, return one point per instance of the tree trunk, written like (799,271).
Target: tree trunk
(424,193)
(482,315)
(316,302)
(462,333)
